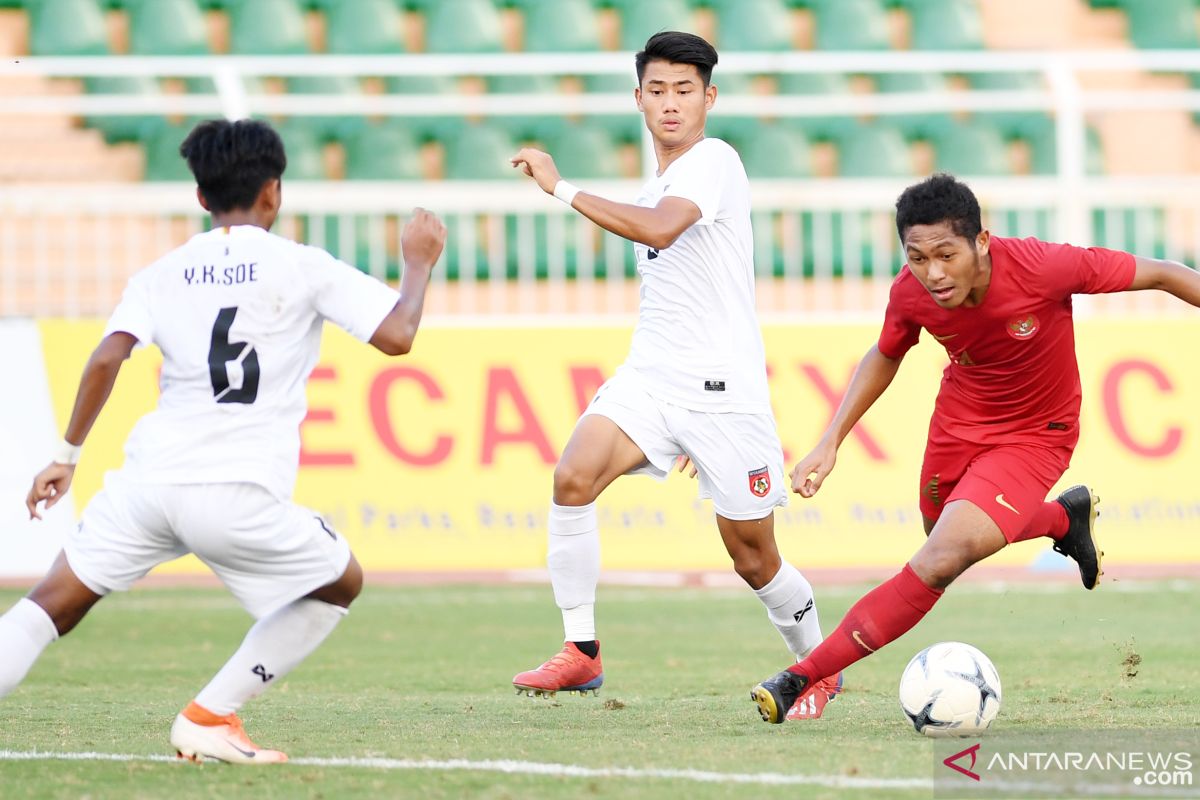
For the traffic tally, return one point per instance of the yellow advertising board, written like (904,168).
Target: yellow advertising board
(442,459)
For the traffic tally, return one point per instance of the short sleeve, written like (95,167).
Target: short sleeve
(1087,270)
(133,314)
(352,300)
(701,179)
(900,332)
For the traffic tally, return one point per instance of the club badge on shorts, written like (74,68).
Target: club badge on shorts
(760,482)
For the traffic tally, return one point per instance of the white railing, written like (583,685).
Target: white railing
(67,250)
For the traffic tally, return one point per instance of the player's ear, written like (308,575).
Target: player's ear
(710,96)
(637,96)
(200,199)
(983,241)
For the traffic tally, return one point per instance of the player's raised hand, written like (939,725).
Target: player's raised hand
(539,166)
(811,471)
(49,486)
(422,239)
(682,463)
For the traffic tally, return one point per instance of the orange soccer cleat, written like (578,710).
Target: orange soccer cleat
(568,671)
(811,705)
(198,734)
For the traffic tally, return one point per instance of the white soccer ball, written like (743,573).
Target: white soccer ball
(950,689)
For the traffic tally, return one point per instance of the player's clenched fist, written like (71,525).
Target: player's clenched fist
(812,470)
(49,486)
(422,239)
(539,166)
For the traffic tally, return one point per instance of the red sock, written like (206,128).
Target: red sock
(882,615)
(1050,520)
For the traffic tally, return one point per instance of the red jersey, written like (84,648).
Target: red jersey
(1012,375)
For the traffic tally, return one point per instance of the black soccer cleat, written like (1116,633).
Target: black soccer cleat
(775,696)
(1080,542)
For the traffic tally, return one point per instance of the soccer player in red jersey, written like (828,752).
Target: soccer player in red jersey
(1006,419)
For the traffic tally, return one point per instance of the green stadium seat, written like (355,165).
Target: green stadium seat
(122,127)
(304,148)
(1040,132)
(585,151)
(816,83)
(559,26)
(327,127)
(1010,123)
(427,127)
(167,28)
(383,152)
(873,150)
(1162,24)
(267,27)
(68,28)
(363,27)
(971,148)
(946,24)
(753,25)
(526,127)
(161,145)
(776,151)
(480,152)
(915,126)
(851,25)
(462,26)
(641,20)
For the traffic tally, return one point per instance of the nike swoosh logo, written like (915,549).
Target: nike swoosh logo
(945,338)
(246,753)
(1000,499)
(861,643)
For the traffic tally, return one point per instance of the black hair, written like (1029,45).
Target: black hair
(677,48)
(232,161)
(939,198)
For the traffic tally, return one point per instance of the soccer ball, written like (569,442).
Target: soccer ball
(950,689)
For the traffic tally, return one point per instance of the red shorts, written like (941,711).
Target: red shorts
(1008,481)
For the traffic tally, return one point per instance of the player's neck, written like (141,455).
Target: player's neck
(982,283)
(668,154)
(240,217)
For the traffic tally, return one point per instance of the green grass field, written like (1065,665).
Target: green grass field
(423,674)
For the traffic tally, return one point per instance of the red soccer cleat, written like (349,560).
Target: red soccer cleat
(811,705)
(568,671)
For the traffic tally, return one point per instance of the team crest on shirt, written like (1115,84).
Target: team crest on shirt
(1022,327)
(760,482)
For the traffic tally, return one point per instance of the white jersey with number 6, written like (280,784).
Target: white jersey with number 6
(237,313)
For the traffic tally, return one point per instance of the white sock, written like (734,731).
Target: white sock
(274,646)
(573,558)
(25,631)
(790,605)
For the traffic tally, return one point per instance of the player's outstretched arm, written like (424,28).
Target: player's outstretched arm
(95,386)
(656,227)
(872,376)
(421,244)
(1169,276)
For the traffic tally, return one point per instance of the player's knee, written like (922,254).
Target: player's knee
(753,568)
(937,569)
(573,487)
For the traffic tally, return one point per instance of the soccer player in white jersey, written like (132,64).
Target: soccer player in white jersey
(237,313)
(694,387)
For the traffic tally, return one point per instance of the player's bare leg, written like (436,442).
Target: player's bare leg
(963,535)
(786,594)
(53,607)
(597,453)
(209,727)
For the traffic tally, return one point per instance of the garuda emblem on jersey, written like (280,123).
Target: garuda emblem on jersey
(1022,327)
(760,482)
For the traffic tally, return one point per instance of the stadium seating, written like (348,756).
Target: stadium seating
(362,27)
(462,26)
(480,151)
(305,159)
(641,20)
(775,151)
(972,148)
(851,25)
(68,28)
(1167,24)
(383,151)
(915,126)
(122,127)
(873,149)
(753,25)
(945,24)
(163,162)
(267,27)
(166,28)
(559,26)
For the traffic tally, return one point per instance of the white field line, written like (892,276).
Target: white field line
(526,768)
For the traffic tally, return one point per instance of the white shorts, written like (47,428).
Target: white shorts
(266,551)
(738,456)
